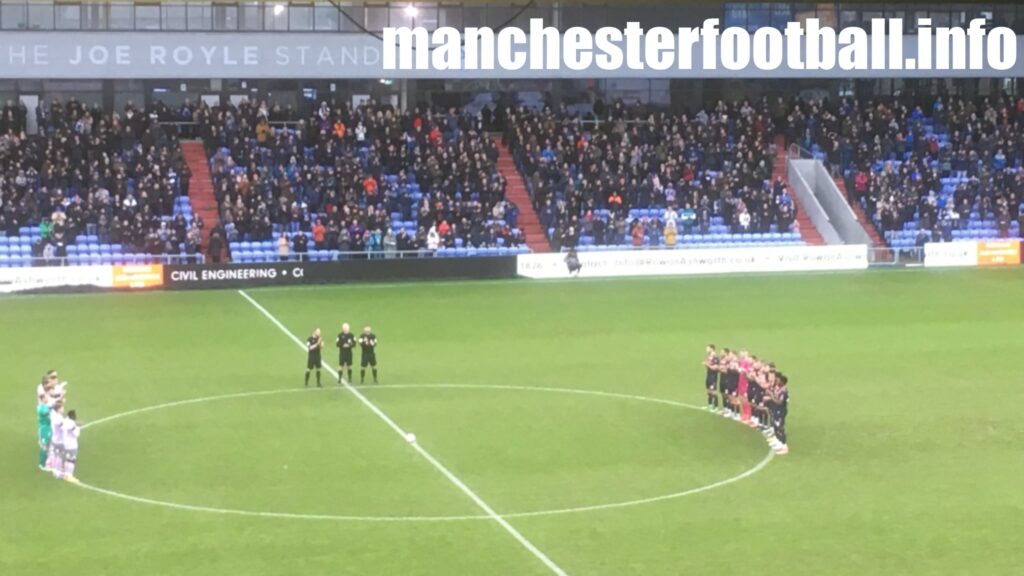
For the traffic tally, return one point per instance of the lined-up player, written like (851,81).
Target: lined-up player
(345,342)
(45,429)
(778,404)
(56,430)
(55,461)
(71,431)
(764,400)
(728,380)
(368,347)
(314,344)
(711,379)
(744,364)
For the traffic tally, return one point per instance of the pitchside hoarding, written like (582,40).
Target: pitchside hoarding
(972,253)
(697,262)
(340,272)
(44,278)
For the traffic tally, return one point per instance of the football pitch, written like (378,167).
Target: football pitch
(559,430)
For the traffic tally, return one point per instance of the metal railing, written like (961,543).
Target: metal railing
(312,256)
(338,255)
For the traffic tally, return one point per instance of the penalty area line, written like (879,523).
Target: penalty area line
(537,553)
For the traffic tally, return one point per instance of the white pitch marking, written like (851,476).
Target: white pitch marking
(555,568)
(296,516)
(185,402)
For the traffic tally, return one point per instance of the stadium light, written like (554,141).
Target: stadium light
(278,9)
(412,11)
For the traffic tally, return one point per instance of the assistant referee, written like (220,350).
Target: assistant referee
(368,346)
(314,344)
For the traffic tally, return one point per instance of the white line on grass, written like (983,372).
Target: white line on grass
(422,452)
(342,517)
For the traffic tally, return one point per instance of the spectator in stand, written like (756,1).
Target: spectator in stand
(899,156)
(283,250)
(707,162)
(300,245)
(355,178)
(390,244)
(319,235)
(405,242)
(73,178)
(637,234)
(215,247)
(374,243)
(433,239)
(670,232)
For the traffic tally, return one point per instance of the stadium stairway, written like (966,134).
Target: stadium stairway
(862,218)
(517,192)
(808,232)
(200,193)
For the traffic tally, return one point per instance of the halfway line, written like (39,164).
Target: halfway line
(422,452)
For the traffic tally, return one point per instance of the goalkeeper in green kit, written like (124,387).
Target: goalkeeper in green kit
(45,431)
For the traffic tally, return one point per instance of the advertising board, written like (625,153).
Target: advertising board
(699,261)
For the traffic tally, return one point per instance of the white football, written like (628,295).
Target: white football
(410,437)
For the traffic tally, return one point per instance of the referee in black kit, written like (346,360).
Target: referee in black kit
(368,345)
(314,344)
(345,342)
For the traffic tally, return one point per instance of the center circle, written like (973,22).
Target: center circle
(463,462)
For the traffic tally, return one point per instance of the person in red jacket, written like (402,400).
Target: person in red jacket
(638,234)
(319,235)
(370,187)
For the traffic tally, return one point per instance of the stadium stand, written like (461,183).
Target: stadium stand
(114,188)
(92,188)
(369,179)
(924,169)
(627,177)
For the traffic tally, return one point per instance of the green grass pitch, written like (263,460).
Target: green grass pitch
(905,430)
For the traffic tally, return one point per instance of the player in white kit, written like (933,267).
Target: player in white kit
(71,433)
(55,460)
(43,389)
(52,387)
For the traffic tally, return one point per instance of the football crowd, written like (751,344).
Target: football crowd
(745,388)
(58,430)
